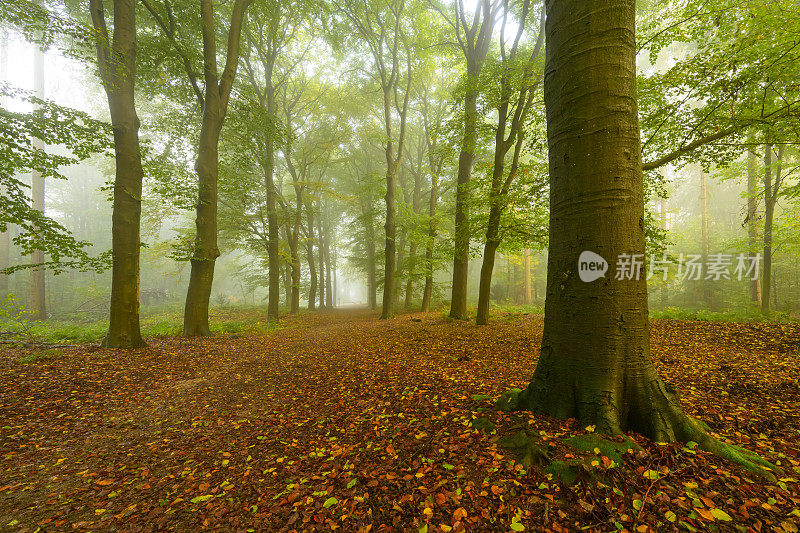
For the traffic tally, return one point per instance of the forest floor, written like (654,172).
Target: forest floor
(341,421)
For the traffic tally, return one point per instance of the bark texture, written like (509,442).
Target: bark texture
(214,102)
(595,360)
(118,77)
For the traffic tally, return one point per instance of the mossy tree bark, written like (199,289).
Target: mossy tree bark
(117,67)
(595,360)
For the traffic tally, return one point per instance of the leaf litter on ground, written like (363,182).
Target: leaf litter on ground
(341,421)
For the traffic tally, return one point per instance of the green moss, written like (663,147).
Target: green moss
(611,449)
(483,424)
(509,401)
(525,451)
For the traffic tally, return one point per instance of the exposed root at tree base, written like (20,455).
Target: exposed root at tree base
(672,425)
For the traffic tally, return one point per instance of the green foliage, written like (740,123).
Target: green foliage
(52,124)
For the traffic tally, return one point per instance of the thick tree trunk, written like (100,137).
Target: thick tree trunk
(37,304)
(458,296)
(118,77)
(201,277)
(752,222)
(595,361)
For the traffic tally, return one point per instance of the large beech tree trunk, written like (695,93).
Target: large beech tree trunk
(595,360)
(118,75)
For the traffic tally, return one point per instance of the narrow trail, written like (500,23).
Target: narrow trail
(339,420)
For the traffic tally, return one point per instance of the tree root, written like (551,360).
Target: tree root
(666,422)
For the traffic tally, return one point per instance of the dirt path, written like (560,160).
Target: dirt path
(344,421)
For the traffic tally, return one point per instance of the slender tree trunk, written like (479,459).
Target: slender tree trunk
(400,269)
(527,270)
(273,237)
(295,275)
(428,291)
(706,288)
(333,252)
(412,251)
(391,231)
(595,361)
(328,265)
(119,75)
(768,213)
(372,269)
(321,252)
(752,222)
(770,198)
(312,269)
(489,252)
(37,304)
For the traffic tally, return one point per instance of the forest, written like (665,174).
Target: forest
(400,265)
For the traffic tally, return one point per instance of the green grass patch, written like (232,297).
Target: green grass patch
(44,355)
(749,314)
(166,323)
